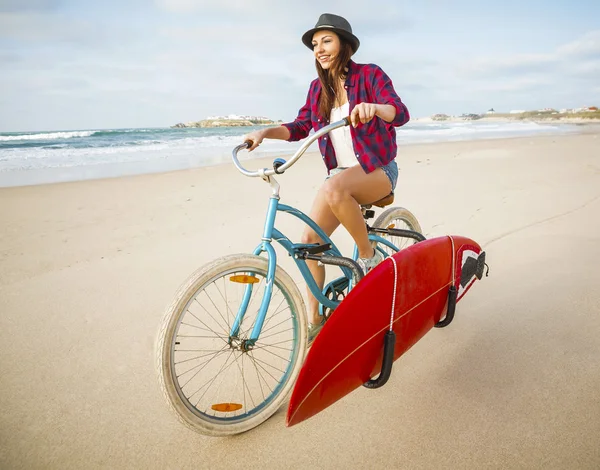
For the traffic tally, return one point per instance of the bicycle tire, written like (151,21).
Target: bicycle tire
(166,351)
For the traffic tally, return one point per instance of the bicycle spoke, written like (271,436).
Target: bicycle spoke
(216,308)
(208,313)
(274,326)
(198,327)
(262,346)
(198,371)
(258,376)
(271,366)
(275,334)
(201,336)
(226,304)
(196,357)
(220,384)
(223,368)
(271,316)
(277,355)
(268,317)
(256,359)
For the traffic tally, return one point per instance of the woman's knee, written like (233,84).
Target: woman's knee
(334,192)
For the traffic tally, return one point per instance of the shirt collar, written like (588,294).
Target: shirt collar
(352,70)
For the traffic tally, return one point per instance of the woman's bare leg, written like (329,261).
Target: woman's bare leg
(345,192)
(325,218)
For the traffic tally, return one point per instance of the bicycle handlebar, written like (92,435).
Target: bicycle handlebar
(294,159)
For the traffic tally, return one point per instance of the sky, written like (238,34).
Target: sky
(67,64)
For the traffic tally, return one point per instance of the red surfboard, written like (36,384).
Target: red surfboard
(348,351)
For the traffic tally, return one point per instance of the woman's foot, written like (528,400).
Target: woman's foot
(313,330)
(369,263)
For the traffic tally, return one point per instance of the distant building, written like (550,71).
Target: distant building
(517,111)
(490,111)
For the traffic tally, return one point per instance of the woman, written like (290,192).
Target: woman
(359,160)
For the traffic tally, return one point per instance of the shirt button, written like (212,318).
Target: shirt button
(324,138)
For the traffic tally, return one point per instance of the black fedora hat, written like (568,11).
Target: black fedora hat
(334,23)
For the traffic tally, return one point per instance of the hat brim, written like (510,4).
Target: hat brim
(351,38)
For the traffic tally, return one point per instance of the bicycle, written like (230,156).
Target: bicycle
(233,340)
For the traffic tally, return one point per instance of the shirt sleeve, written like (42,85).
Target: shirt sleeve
(300,128)
(384,90)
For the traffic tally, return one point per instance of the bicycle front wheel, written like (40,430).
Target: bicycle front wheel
(398,218)
(213,382)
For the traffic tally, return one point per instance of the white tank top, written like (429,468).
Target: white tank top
(341,139)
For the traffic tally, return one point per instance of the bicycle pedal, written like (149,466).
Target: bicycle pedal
(315,249)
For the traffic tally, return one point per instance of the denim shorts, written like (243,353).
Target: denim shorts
(390,170)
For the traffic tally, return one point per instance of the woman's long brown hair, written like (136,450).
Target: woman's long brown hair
(329,78)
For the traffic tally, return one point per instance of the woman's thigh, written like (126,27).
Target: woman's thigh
(364,188)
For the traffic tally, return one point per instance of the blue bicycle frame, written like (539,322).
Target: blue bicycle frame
(270,233)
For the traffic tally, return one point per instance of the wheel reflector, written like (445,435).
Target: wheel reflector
(391,226)
(225,407)
(244,279)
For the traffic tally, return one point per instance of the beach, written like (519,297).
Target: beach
(88,268)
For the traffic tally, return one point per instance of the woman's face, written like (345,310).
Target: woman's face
(326,46)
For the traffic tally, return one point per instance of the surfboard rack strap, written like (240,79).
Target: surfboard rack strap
(452,293)
(389,343)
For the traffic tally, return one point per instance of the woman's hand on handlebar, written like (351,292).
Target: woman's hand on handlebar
(256,137)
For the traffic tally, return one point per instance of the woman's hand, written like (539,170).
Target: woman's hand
(256,137)
(363,112)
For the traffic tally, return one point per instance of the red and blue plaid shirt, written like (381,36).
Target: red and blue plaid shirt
(374,142)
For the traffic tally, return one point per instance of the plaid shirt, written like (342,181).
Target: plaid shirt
(375,142)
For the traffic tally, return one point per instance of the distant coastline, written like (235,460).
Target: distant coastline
(581,115)
(232,120)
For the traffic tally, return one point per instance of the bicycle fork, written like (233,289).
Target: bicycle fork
(267,247)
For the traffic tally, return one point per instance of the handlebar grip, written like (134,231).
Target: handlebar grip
(249,143)
(347,121)
(277,163)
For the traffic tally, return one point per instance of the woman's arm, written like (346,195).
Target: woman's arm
(279,132)
(383,89)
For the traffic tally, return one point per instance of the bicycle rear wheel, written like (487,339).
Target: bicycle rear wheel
(214,385)
(398,218)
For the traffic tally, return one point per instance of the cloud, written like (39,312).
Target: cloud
(30,5)
(564,60)
(588,46)
(49,28)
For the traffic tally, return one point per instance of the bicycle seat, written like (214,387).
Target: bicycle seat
(385,201)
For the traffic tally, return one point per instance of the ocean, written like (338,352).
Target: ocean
(28,158)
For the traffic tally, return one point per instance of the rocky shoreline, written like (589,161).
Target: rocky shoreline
(227,123)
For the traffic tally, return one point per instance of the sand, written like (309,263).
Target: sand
(87,269)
